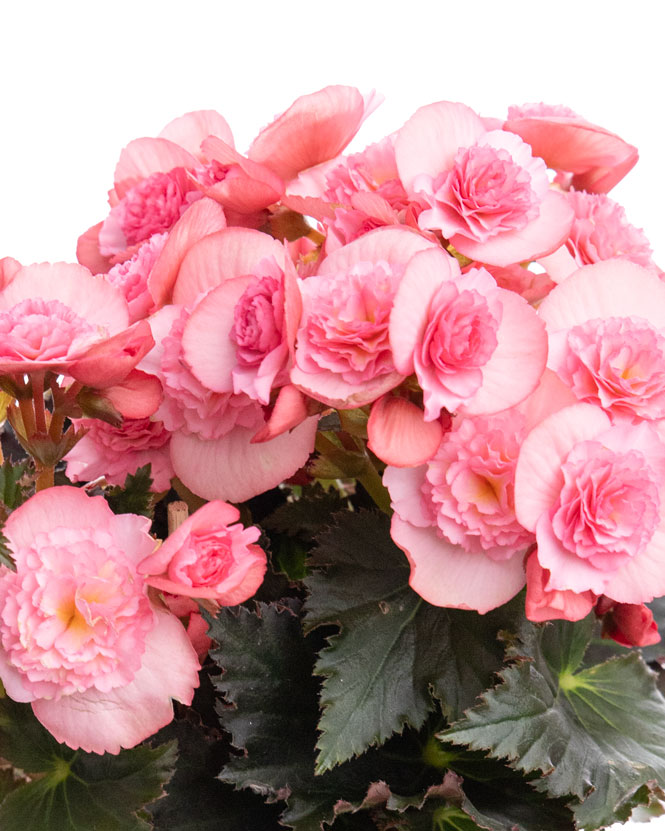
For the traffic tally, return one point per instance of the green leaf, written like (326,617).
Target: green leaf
(271,715)
(196,800)
(135,496)
(77,791)
(6,556)
(596,733)
(393,647)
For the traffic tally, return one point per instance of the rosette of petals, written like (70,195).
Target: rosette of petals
(115,452)
(455,519)
(150,207)
(240,335)
(474,347)
(54,316)
(593,495)
(211,555)
(343,356)
(484,191)
(605,323)
(81,640)
(585,156)
(600,232)
(131,276)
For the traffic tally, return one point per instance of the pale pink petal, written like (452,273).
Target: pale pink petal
(144,156)
(538,477)
(233,252)
(445,575)
(613,288)
(190,129)
(12,680)
(398,433)
(315,128)
(233,469)
(559,264)
(429,140)
(290,410)
(92,298)
(333,390)
(137,396)
(406,494)
(541,604)
(423,276)
(395,245)
(539,237)
(550,395)
(312,206)
(108,362)
(516,365)
(160,326)
(106,722)
(207,347)
(643,576)
(599,158)
(87,251)
(9,268)
(204,217)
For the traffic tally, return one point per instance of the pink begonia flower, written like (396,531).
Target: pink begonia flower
(630,624)
(600,232)
(81,640)
(131,276)
(115,452)
(240,336)
(605,324)
(586,156)
(314,129)
(151,207)
(58,317)
(343,356)
(454,516)
(474,347)
(211,555)
(593,495)
(542,604)
(484,190)
(212,447)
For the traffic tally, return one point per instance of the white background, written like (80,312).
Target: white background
(78,80)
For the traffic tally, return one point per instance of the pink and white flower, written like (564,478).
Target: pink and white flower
(484,191)
(81,639)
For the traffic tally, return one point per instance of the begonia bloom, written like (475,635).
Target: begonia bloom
(81,639)
(593,495)
(211,555)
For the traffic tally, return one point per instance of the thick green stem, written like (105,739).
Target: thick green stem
(45,479)
(371,481)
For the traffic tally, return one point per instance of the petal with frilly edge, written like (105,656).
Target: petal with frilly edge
(204,217)
(234,469)
(105,722)
(190,129)
(232,252)
(144,156)
(92,298)
(315,128)
(398,433)
(538,477)
(613,288)
(429,140)
(599,159)
(446,575)
(539,237)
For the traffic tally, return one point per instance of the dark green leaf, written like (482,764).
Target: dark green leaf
(135,496)
(306,516)
(196,800)
(78,791)
(6,556)
(597,733)
(272,713)
(12,492)
(393,646)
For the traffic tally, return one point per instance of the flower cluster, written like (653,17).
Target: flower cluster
(464,288)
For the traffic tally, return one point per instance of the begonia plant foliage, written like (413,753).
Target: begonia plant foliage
(333,489)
